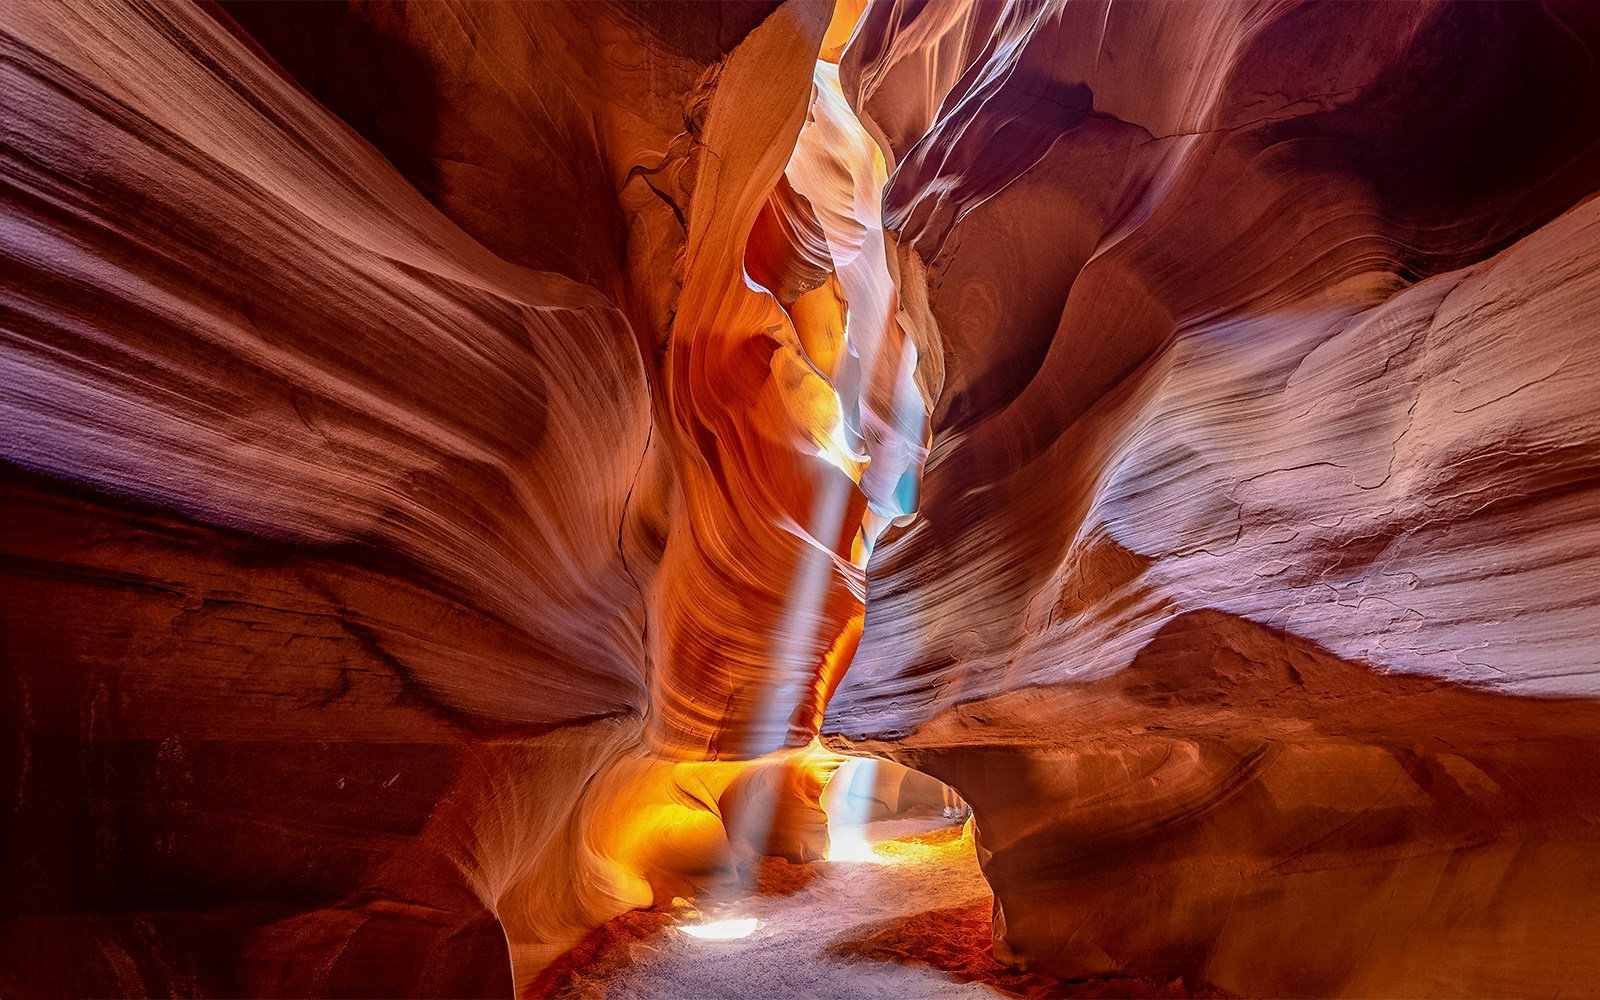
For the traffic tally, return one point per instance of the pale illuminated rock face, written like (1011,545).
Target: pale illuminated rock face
(444,442)
(1258,560)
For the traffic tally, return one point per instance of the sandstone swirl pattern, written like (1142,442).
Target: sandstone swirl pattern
(1268,422)
(458,456)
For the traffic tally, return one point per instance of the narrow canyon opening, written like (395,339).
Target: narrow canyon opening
(799,498)
(843,379)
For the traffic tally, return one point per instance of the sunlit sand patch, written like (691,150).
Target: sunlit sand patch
(722,930)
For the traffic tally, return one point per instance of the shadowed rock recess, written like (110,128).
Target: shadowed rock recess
(472,468)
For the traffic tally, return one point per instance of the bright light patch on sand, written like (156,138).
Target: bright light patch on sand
(722,930)
(847,802)
(852,847)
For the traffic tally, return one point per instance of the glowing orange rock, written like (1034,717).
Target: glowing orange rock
(457,453)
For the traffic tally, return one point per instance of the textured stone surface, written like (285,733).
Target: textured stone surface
(444,443)
(1268,424)
(336,483)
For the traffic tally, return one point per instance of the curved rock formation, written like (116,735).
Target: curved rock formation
(461,456)
(1267,426)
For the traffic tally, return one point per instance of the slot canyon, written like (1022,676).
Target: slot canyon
(903,498)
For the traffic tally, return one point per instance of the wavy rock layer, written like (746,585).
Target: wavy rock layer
(1265,463)
(454,453)
(378,417)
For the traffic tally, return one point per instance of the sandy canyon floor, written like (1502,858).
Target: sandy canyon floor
(914,922)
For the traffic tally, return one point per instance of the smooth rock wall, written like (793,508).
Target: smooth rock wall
(338,470)
(1259,528)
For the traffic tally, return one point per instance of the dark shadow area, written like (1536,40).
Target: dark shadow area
(599,957)
(373,80)
(957,941)
(135,864)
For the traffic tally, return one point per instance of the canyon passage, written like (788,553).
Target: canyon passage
(893,498)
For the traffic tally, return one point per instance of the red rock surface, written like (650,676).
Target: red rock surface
(1260,530)
(446,443)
